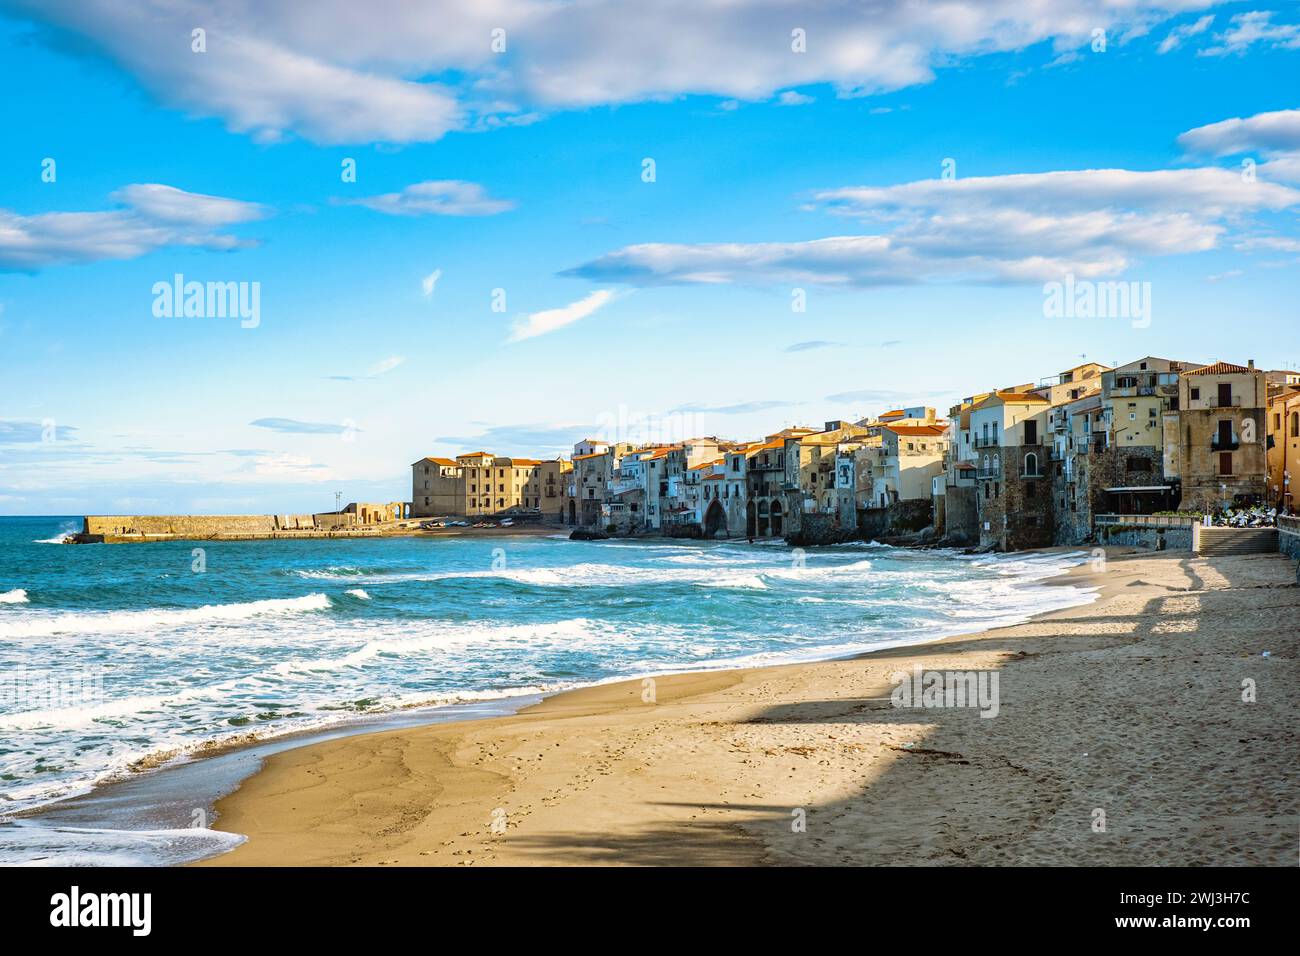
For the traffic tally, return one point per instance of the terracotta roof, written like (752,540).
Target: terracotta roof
(475,454)
(715,477)
(661,452)
(594,454)
(934,430)
(1013,398)
(892,414)
(706,464)
(525,461)
(966,466)
(1220,368)
(446,462)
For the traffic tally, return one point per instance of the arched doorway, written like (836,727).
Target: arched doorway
(762,519)
(776,517)
(573,512)
(751,521)
(714,519)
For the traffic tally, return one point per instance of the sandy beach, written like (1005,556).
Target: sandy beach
(1121,737)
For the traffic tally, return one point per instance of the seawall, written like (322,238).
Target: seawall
(134,528)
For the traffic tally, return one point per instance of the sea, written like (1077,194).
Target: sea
(124,668)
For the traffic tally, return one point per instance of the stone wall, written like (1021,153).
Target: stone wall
(206,526)
(1016,513)
(961,515)
(198,526)
(902,517)
(815,529)
(1288,536)
(1094,472)
(1139,536)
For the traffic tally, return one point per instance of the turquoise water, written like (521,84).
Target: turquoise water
(110,654)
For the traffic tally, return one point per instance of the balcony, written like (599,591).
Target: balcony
(1218,401)
(1033,474)
(1218,444)
(986,441)
(985,473)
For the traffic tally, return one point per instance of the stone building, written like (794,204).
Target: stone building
(481,484)
(1284,449)
(764,497)
(908,459)
(436,488)
(592,475)
(1221,435)
(1014,502)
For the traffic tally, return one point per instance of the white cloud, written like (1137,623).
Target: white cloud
(1276,131)
(539,323)
(1218,190)
(793,98)
(1275,135)
(283,466)
(335,71)
(1178,34)
(1250,28)
(1018,228)
(385,365)
(430,282)
(438,197)
(153,217)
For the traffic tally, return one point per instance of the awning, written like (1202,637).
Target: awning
(1142,488)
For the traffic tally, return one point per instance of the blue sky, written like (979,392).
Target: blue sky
(624,300)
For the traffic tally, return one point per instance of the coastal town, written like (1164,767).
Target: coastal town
(1153,444)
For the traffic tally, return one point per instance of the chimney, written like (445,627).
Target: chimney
(1250,363)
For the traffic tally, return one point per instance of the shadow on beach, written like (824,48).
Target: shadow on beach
(1121,738)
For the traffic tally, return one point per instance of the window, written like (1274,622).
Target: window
(1031,464)
(1196,394)
(1225,463)
(1225,394)
(1031,489)
(1295,424)
(1031,433)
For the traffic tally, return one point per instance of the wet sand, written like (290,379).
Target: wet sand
(1121,737)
